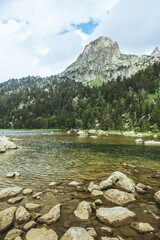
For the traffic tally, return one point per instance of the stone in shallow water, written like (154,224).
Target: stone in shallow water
(12,234)
(29,225)
(32,206)
(119,197)
(157,196)
(52,216)
(92,187)
(116,216)
(74,184)
(10,192)
(96,193)
(41,234)
(142,227)
(83,210)
(22,215)
(7,218)
(119,180)
(77,233)
(15,200)
(27,191)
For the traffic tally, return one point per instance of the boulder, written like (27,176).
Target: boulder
(12,234)
(119,180)
(77,233)
(115,216)
(142,227)
(32,206)
(83,210)
(52,216)
(5,143)
(7,218)
(22,215)
(157,196)
(41,234)
(119,197)
(10,192)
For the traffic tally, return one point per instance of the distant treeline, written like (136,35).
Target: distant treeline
(35,102)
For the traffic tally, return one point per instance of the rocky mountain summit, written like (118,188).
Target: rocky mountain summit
(102,61)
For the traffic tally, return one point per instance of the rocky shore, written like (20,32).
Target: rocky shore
(116,208)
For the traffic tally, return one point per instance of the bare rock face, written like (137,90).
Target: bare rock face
(102,61)
(77,233)
(119,197)
(52,216)
(115,216)
(10,192)
(41,234)
(22,215)
(142,227)
(83,210)
(119,180)
(6,218)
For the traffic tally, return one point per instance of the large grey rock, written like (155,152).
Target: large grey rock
(5,143)
(157,196)
(119,197)
(10,192)
(119,180)
(41,234)
(142,227)
(52,216)
(22,215)
(12,234)
(7,218)
(83,210)
(77,233)
(115,216)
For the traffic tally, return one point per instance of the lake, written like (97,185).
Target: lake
(44,156)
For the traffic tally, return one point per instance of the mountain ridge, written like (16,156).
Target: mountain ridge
(102,61)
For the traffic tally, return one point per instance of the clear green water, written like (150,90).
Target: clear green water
(44,157)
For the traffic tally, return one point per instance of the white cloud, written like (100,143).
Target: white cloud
(30,43)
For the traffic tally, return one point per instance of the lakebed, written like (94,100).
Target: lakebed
(45,157)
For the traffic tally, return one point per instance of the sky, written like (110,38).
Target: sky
(43,37)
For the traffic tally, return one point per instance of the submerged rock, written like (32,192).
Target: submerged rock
(119,197)
(10,192)
(41,234)
(120,180)
(32,206)
(52,216)
(77,233)
(142,227)
(83,210)
(7,218)
(115,216)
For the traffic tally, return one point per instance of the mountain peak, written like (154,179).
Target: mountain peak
(102,48)
(156,52)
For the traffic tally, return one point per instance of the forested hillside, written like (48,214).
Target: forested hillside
(127,104)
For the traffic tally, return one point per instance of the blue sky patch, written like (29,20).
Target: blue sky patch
(88,27)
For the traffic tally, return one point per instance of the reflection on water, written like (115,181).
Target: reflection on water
(44,157)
